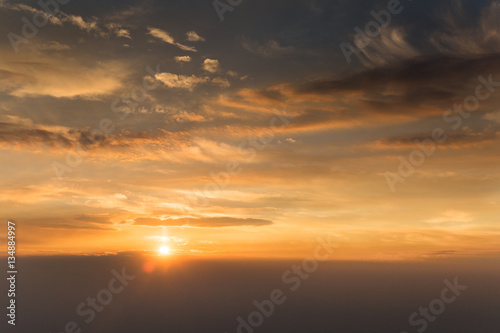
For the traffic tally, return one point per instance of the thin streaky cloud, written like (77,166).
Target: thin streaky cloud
(167,38)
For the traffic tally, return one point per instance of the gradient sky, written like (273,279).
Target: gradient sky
(216,90)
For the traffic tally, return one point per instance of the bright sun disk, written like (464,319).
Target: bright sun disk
(164,250)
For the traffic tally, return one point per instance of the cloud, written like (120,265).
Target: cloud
(271,49)
(427,85)
(56,20)
(467,138)
(160,34)
(165,36)
(188,82)
(461,38)
(192,36)
(37,45)
(391,46)
(94,218)
(452,218)
(118,30)
(402,92)
(21,134)
(493,116)
(72,225)
(180,81)
(202,222)
(130,13)
(211,65)
(456,37)
(185,116)
(79,22)
(53,46)
(183,59)
(91,25)
(33,74)
(223,83)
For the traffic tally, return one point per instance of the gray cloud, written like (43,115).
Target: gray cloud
(16,134)
(437,81)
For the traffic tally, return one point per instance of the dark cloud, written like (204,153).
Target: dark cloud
(17,134)
(437,80)
(462,139)
(25,134)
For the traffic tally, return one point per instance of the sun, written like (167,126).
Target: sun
(164,250)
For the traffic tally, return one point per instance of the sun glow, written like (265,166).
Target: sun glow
(164,250)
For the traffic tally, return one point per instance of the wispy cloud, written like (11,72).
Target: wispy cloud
(167,38)
(390,47)
(91,25)
(270,49)
(58,76)
(459,37)
(22,134)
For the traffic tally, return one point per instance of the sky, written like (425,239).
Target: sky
(126,126)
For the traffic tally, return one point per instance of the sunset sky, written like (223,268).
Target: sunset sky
(131,125)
